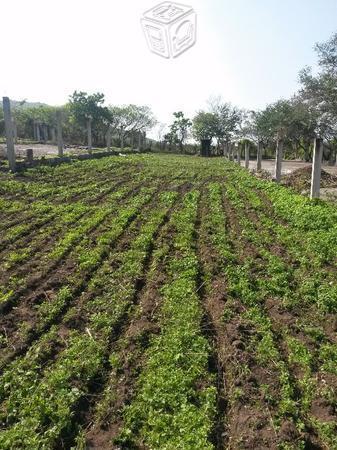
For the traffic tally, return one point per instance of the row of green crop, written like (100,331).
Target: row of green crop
(106,410)
(309,281)
(237,268)
(175,404)
(281,281)
(21,249)
(44,213)
(313,252)
(41,213)
(85,257)
(315,220)
(13,189)
(35,214)
(88,257)
(311,274)
(49,309)
(85,224)
(40,403)
(34,198)
(26,237)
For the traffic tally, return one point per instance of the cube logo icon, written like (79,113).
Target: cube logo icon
(170,29)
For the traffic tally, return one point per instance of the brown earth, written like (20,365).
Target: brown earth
(300,179)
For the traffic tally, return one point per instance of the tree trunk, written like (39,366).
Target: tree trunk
(205,147)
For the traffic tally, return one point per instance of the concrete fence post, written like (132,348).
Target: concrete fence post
(226,150)
(53,135)
(139,140)
(239,154)
(29,155)
(246,155)
(15,131)
(278,162)
(122,140)
(259,156)
(230,151)
(59,133)
(34,130)
(316,168)
(9,133)
(38,135)
(45,132)
(89,122)
(108,138)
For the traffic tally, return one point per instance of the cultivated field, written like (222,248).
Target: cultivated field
(165,303)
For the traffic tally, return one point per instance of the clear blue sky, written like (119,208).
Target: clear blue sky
(267,42)
(248,51)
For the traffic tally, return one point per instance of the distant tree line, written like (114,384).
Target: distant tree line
(123,122)
(310,113)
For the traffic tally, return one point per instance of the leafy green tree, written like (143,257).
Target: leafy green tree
(205,125)
(25,116)
(229,119)
(144,118)
(83,106)
(179,129)
(127,119)
(320,92)
(293,120)
(171,139)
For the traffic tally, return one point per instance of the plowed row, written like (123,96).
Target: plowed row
(159,302)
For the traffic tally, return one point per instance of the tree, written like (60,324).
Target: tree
(179,129)
(120,121)
(25,116)
(142,120)
(228,119)
(290,119)
(170,139)
(160,132)
(327,54)
(83,107)
(205,125)
(127,119)
(320,92)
